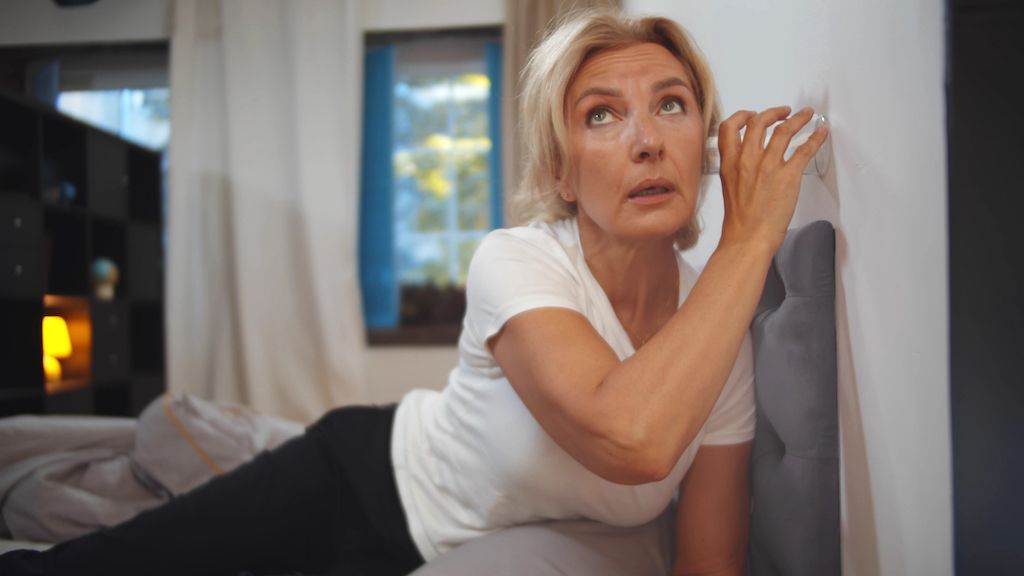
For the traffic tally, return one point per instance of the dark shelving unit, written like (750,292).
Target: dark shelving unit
(69,194)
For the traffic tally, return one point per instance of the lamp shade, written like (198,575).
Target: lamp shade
(56,341)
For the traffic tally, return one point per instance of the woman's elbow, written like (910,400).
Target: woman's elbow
(639,458)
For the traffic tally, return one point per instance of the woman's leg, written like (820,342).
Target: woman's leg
(294,509)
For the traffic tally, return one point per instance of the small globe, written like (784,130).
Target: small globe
(104,271)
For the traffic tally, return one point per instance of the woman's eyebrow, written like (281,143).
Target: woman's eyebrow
(669,82)
(599,91)
(612,92)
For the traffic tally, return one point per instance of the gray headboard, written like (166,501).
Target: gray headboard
(794,527)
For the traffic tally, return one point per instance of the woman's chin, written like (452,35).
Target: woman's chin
(663,223)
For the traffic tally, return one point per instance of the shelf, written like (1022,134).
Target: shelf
(78,401)
(19,143)
(66,386)
(7,394)
(147,343)
(70,194)
(107,164)
(21,272)
(110,340)
(63,163)
(127,397)
(146,184)
(21,344)
(21,220)
(67,252)
(19,401)
(145,262)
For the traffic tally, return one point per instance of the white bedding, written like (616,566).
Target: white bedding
(65,476)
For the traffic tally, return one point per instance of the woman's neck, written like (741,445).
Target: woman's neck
(640,278)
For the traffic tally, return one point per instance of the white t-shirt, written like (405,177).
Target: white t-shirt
(471,458)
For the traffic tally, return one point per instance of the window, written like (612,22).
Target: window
(121,88)
(431,177)
(140,115)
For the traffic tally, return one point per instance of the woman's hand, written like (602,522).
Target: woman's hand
(760,188)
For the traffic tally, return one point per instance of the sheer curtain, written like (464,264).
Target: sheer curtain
(262,285)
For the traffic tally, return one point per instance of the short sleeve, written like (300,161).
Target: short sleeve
(512,272)
(732,418)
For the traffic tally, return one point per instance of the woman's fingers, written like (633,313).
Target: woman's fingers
(757,126)
(760,187)
(729,141)
(783,135)
(804,152)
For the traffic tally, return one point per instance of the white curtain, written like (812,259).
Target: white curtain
(262,279)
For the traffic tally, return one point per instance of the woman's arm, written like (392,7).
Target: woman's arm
(713,517)
(629,421)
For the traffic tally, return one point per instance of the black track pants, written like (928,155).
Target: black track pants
(323,503)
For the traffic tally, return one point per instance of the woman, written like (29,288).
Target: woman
(596,373)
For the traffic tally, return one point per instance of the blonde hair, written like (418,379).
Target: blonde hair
(553,65)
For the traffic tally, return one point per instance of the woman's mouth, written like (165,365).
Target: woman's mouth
(651,193)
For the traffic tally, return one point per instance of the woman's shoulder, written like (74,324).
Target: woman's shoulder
(542,238)
(540,254)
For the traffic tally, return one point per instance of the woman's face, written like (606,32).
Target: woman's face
(636,136)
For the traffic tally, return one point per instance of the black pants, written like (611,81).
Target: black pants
(322,503)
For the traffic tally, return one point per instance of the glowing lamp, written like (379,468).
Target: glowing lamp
(52,369)
(56,344)
(56,341)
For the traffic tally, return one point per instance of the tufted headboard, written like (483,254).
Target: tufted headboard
(794,528)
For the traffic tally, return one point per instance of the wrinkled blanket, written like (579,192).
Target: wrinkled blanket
(64,476)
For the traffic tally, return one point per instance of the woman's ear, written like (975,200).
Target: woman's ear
(564,191)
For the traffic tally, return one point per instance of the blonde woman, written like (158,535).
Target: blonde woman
(598,375)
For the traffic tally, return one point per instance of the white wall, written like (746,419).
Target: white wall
(379,15)
(25,22)
(396,370)
(875,68)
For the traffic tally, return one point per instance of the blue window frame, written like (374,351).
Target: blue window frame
(431,169)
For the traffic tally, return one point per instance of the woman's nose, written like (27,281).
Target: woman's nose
(647,143)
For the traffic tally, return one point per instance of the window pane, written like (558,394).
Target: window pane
(421,110)
(472,175)
(441,158)
(423,259)
(423,190)
(142,116)
(469,96)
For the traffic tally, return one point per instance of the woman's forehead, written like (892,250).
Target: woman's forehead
(615,65)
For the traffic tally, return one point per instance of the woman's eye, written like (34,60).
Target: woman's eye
(671,106)
(599,116)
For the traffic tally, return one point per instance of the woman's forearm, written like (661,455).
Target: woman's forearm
(688,361)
